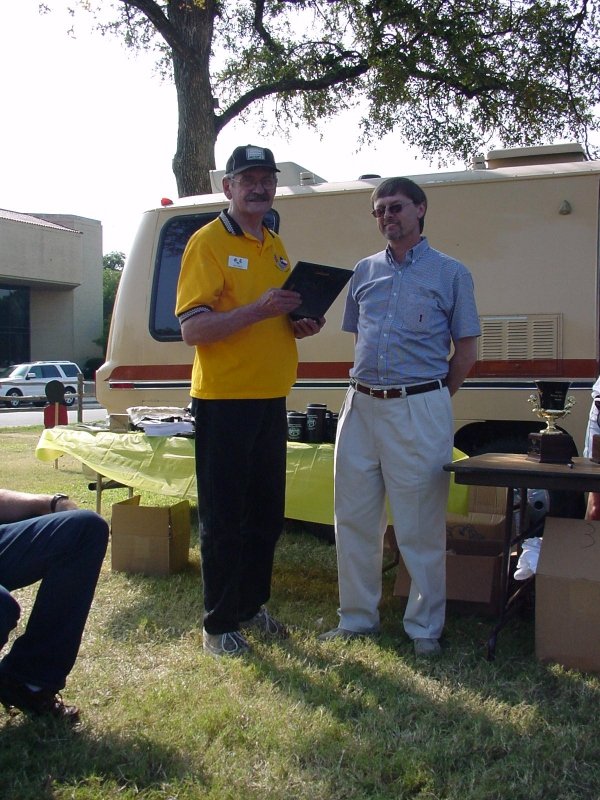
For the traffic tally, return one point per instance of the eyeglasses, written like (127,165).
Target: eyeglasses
(248,182)
(394,208)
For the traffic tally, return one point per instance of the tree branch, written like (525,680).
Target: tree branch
(259,27)
(154,13)
(333,78)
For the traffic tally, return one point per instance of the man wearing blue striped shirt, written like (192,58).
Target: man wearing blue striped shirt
(413,314)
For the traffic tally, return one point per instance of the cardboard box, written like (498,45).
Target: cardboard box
(485,518)
(473,555)
(473,575)
(119,423)
(150,540)
(567,594)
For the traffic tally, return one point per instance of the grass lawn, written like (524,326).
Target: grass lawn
(297,720)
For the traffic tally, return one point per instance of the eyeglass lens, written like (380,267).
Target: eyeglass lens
(249,183)
(394,208)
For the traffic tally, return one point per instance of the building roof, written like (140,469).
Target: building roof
(28,219)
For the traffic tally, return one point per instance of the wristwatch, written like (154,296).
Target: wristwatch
(55,500)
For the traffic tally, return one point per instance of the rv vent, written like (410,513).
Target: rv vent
(520,337)
(544,154)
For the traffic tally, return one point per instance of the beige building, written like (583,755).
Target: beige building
(50,287)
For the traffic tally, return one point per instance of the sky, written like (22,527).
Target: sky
(89,129)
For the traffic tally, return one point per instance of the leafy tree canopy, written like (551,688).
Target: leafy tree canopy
(448,75)
(112,268)
(114,260)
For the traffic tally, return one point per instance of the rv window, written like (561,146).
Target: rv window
(174,236)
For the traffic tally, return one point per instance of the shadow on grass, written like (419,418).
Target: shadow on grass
(37,757)
(362,719)
(513,728)
(168,607)
(162,608)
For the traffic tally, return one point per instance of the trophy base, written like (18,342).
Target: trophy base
(552,448)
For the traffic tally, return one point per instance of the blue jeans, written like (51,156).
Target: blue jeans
(64,551)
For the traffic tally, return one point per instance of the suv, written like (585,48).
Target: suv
(29,380)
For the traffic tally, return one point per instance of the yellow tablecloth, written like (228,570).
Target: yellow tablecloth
(165,465)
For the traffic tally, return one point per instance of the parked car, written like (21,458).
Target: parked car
(29,380)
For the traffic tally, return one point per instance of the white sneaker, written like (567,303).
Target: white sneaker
(231,643)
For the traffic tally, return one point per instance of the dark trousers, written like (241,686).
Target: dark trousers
(241,450)
(64,551)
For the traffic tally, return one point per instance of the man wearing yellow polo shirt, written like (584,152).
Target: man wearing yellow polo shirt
(232,310)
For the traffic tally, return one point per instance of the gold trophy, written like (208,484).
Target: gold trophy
(550,445)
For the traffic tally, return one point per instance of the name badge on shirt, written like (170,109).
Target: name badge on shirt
(237,262)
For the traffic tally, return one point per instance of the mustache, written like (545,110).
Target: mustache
(256,196)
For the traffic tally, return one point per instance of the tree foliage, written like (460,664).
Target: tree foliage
(112,268)
(115,260)
(450,76)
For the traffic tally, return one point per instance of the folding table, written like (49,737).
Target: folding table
(516,471)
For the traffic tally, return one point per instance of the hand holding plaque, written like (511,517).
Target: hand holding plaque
(319,285)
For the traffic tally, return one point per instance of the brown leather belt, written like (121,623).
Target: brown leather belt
(403,391)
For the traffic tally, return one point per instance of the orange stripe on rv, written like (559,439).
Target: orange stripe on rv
(165,372)
(324,369)
(568,368)
(561,368)
(151,372)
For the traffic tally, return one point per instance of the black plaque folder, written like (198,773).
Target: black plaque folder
(318,284)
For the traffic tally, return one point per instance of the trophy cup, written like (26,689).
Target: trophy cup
(551,446)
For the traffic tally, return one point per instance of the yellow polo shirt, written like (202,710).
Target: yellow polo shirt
(223,268)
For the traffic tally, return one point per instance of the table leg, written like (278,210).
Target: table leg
(98,493)
(510,602)
(101,484)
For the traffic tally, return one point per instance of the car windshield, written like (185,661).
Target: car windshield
(20,371)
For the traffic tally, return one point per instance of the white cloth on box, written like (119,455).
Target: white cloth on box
(528,560)
(593,426)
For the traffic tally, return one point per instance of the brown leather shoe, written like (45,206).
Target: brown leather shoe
(44,703)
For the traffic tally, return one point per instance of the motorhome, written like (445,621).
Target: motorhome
(525,222)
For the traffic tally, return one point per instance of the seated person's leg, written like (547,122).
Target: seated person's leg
(65,552)
(10,612)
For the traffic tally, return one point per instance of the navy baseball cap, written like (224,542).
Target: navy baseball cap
(249,156)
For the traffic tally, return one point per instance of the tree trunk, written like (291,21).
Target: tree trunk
(196,134)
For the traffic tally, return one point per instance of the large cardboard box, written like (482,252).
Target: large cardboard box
(473,575)
(474,547)
(485,517)
(567,594)
(150,540)
(119,423)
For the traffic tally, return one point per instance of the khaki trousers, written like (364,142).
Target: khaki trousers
(394,448)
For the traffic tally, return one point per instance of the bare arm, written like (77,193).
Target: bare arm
(212,326)
(15,506)
(593,506)
(463,358)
